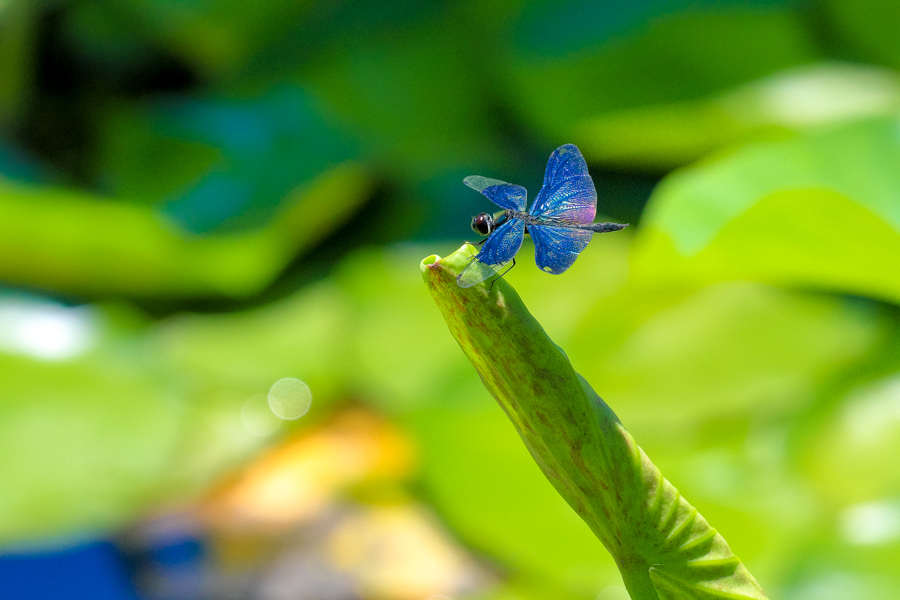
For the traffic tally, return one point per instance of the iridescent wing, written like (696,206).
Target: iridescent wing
(568,193)
(500,248)
(556,248)
(505,195)
(567,197)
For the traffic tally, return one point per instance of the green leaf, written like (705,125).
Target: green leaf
(671,58)
(128,144)
(865,29)
(215,38)
(70,242)
(17,33)
(842,441)
(662,546)
(660,137)
(818,210)
(242,155)
(91,442)
(147,415)
(398,88)
(670,357)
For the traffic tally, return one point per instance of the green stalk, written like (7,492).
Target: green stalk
(664,549)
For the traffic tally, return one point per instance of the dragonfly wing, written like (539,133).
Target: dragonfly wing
(500,248)
(568,193)
(556,248)
(565,162)
(505,195)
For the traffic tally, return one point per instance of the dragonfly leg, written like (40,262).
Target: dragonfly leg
(501,276)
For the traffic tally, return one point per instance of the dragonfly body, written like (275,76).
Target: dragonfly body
(560,221)
(503,216)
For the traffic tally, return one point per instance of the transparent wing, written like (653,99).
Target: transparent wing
(556,248)
(568,194)
(505,195)
(500,248)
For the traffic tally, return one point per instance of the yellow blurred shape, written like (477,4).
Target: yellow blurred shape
(402,553)
(297,480)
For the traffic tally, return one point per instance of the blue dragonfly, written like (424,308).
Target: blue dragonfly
(561,220)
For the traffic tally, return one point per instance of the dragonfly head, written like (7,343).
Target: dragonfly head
(483,224)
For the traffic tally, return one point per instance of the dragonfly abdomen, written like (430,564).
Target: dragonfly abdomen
(604,227)
(595,227)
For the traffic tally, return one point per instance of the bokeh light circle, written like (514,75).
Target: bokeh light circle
(290,398)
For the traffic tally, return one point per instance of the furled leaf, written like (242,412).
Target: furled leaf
(662,546)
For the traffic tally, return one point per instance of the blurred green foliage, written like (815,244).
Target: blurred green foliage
(808,197)
(68,242)
(157,158)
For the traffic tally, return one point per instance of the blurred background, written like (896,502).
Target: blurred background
(221,376)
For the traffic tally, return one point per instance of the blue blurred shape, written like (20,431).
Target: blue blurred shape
(270,145)
(17,165)
(215,200)
(560,28)
(91,571)
(183,552)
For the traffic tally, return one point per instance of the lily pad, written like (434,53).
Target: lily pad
(818,210)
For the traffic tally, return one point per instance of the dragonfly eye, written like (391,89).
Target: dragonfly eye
(482,224)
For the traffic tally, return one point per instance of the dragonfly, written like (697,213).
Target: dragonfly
(561,220)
